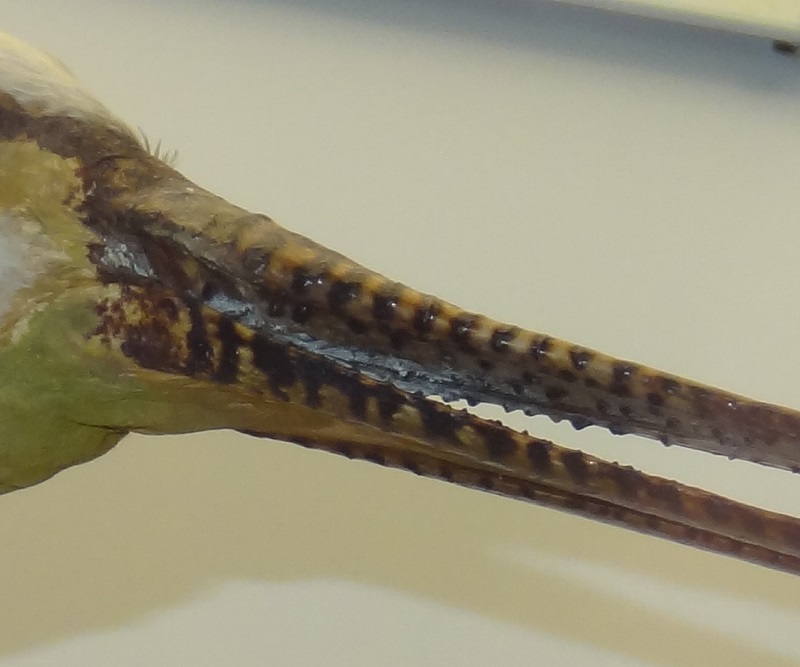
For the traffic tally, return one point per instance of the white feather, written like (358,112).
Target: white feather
(20,258)
(42,85)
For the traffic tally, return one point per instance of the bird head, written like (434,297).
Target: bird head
(132,299)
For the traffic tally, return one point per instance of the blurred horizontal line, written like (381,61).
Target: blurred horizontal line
(773,19)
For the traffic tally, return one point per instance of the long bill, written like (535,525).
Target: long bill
(273,335)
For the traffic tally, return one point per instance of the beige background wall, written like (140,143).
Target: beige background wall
(776,19)
(628,185)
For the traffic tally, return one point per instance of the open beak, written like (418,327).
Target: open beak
(276,336)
